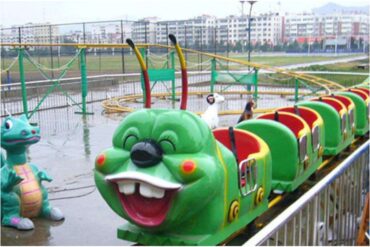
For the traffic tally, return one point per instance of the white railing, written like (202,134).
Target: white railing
(329,213)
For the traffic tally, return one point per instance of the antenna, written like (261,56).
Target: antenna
(143,70)
(184,74)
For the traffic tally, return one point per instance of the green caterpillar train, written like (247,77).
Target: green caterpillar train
(177,182)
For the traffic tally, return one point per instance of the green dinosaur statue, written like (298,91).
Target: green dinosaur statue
(22,194)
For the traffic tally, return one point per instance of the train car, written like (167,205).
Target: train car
(316,124)
(362,94)
(338,132)
(351,111)
(334,137)
(361,112)
(363,89)
(288,171)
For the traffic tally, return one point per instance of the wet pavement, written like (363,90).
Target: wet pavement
(67,149)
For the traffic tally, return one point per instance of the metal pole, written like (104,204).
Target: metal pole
(255,95)
(146,41)
(201,49)
(214,40)
(19,35)
(296,90)
(168,50)
(83,71)
(122,50)
(213,74)
(228,47)
(84,32)
(172,54)
(51,52)
(23,81)
(186,43)
(249,30)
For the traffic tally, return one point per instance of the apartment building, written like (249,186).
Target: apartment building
(309,27)
(231,29)
(271,28)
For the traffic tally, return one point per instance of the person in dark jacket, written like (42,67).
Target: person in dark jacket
(248,110)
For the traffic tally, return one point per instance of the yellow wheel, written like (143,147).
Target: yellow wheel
(234,211)
(259,195)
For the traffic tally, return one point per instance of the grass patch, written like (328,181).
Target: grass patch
(345,80)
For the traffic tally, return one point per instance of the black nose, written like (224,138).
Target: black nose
(146,153)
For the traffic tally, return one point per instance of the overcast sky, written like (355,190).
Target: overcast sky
(17,12)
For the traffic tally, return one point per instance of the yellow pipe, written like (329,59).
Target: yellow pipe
(275,201)
(324,163)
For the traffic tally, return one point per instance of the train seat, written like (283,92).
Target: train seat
(240,142)
(296,124)
(312,118)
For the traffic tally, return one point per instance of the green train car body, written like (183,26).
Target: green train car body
(185,194)
(288,171)
(317,128)
(334,139)
(362,120)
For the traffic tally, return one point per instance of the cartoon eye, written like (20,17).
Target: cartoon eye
(8,124)
(129,141)
(167,145)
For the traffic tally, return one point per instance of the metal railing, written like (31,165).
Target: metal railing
(329,213)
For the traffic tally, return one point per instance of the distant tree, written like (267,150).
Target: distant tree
(265,46)
(305,46)
(361,43)
(238,46)
(316,45)
(257,46)
(278,47)
(293,47)
(67,50)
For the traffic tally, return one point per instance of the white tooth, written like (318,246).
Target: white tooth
(145,190)
(149,191)
(127,188)
(157,192)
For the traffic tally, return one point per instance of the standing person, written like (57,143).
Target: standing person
(248,110)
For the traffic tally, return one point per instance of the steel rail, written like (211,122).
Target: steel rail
(264,234)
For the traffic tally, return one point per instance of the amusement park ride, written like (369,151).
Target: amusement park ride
(178,182)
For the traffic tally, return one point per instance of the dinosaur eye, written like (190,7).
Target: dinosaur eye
(129,141)
(167,145)
(8,124)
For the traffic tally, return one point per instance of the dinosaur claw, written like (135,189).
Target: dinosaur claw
(25,224)
(56,214)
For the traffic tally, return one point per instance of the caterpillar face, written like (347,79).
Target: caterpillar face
(161,165)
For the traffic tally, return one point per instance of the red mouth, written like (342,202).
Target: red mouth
(143,210)
(145,198)
(31,139)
